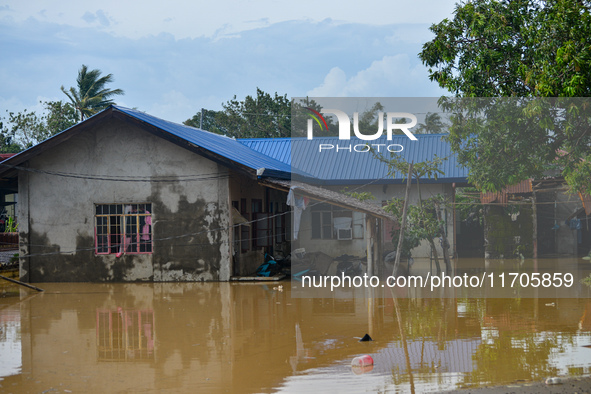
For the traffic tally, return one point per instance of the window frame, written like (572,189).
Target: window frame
(117,224)
(323,216)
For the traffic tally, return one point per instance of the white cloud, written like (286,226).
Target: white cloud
(205,18)
(392,76)
(334,85)
(174,78)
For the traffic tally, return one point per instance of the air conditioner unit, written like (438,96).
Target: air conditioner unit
(344,233)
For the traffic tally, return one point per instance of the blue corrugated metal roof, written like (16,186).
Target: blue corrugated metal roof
(276,148)
(215,143)
(275,155)
(344,167)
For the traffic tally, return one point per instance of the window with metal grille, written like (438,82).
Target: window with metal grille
(123,228)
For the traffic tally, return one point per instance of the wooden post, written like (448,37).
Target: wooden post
(18,282)
(378,248)
(455,238)
(403,224)
(369,236)
(534,224)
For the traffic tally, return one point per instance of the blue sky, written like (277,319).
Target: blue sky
(173,58)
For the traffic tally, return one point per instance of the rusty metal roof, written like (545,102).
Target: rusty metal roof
(502,197)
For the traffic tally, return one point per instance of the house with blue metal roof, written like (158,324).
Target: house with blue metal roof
(350,166)
(330,161)
(126,196)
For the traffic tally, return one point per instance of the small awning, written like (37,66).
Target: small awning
(329,196)
(237,218)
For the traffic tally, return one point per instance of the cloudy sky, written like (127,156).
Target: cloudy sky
(173,58)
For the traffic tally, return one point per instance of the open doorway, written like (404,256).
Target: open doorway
(469,223)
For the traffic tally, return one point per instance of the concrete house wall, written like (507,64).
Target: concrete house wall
(57,213)
(335,248)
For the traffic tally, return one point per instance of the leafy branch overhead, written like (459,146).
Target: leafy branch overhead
(517,49)
(513,48)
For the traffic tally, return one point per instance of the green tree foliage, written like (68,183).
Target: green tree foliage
(7,144)
(205,119)
(369,120)
(413,233)
(91,94)
(433,124)
(22,129)
(513,48)
(59,117)
(361,196)
(506,140)
(423,220)
(517,48)
(467,200)
(262,116)
(25,129)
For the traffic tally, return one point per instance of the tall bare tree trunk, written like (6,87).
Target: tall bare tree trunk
(403,224)
(433,249)
(445,244)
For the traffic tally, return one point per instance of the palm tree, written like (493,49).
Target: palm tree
(433,124)
(91,96)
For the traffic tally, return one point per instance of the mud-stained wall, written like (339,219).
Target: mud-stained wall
(190,214)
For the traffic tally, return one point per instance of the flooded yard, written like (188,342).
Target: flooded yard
(244,338)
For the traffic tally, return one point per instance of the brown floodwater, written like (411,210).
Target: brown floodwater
(245,338)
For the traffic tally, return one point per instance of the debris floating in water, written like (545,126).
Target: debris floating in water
(553,381)
(362,364)
(362,361)
(366,338)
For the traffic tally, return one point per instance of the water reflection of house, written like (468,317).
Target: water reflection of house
(233,337)
(10,345)
(125,196)
(427,356)
(125,335)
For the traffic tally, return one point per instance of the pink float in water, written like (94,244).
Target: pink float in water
(362,364)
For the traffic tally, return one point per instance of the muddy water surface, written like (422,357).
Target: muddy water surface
(243,338)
